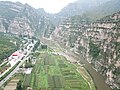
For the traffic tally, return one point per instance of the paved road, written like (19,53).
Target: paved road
(3,63)
(15,70)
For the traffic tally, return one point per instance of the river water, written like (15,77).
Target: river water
(98,79)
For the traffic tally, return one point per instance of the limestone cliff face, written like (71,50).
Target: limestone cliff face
(98,42)
(14,18)
(21,19)
(20,26)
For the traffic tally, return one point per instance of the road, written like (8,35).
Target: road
(22,61)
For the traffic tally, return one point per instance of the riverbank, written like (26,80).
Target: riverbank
(79,68)
(97,78)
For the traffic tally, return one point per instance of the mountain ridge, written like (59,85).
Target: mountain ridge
(18,18)
(98,42)
(37,20)
(93,8)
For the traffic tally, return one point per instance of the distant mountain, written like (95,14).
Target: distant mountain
(80,7)
(9,9)
(93,8)
(18,18)
(105,9)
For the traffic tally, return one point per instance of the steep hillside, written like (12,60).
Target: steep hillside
(79,7)
(98,42)
(18,18)
(22,19)
(105,9)
(95,9)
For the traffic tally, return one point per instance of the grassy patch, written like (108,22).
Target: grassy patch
(53,72)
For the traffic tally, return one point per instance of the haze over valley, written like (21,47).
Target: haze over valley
(77,48)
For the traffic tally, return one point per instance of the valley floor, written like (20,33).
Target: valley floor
(54,72)
(93,78)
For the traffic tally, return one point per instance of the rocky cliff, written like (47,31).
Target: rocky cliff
(98,42)
(22,19)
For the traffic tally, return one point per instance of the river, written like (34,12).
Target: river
(98,79)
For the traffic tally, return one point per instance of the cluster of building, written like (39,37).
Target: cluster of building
(15,57)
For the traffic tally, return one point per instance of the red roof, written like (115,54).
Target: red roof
(14,54)
(17,53)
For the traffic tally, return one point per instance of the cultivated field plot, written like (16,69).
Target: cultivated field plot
(3,67)
(53,72)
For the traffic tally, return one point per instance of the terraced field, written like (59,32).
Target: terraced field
(54,72)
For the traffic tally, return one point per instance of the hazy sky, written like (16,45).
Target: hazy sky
(51,6)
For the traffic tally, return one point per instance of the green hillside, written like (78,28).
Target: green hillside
(7,47)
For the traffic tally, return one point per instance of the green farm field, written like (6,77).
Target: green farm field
(54,72)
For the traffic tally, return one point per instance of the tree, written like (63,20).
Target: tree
(44,46)
(19,85)
(94,50)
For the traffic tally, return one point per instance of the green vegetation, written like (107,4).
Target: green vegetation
(27,80)
(82,19)
(7,73)
(53,72)
(3,67)
(94,50)
(43,46)
(36,45)
(19,86)
(7,47)
(28,63)
(81,49)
